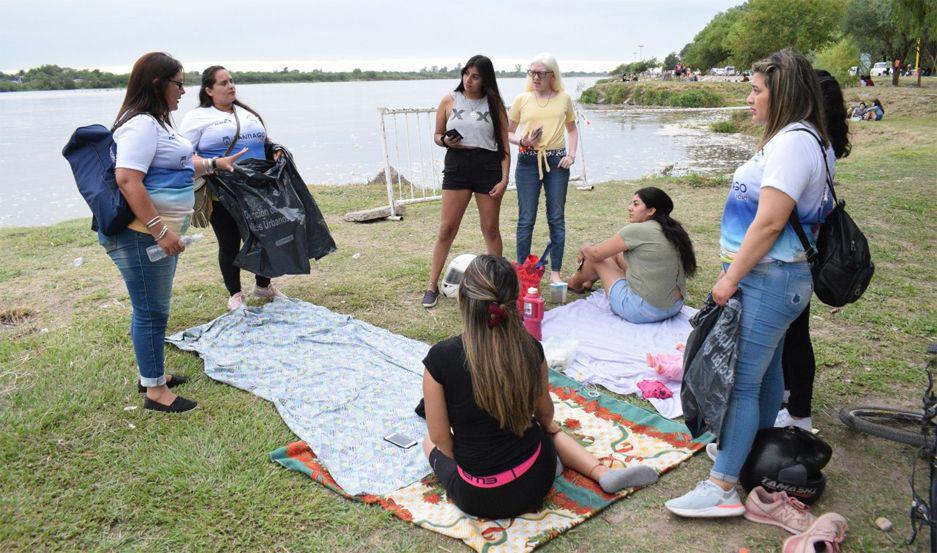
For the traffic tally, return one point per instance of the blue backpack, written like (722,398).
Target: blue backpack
(91,152)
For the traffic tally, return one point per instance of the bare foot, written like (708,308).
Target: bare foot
(161,395)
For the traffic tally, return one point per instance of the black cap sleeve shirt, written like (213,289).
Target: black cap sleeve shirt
(480,447)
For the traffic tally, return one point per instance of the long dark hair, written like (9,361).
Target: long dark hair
(502,359)
(834,111)
(490,89)
(673,230)
(208,81)
(146,89)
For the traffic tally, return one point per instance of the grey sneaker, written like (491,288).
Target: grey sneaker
(267,292)
(430,298)
(707,500)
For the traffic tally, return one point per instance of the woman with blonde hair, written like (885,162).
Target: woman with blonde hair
(492,440)
(764,260)
(540,118)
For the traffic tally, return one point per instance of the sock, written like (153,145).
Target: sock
(632,477)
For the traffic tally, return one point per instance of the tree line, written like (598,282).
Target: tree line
(53,77)
(832,33)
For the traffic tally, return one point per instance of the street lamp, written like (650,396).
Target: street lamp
(641,47)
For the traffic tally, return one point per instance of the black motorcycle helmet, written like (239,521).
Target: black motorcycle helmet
(787,459)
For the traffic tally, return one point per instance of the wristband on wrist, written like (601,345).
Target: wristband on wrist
(162,233)
(153,222)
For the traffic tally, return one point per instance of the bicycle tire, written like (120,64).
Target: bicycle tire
(892,424)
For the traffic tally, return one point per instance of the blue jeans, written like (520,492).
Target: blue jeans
(554,183)
(150,287)
(627,304)
(773,295)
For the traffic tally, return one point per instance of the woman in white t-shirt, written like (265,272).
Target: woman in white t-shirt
(765,261)
(211,128)
(154,172)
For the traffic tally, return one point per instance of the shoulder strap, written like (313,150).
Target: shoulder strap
(237,132)
(809,250)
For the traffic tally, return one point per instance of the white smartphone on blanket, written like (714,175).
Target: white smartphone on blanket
(400,440)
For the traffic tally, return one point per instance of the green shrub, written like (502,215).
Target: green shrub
(696,98)
(726,126)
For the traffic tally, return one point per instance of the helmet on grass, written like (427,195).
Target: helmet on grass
(789,460)
(453,275)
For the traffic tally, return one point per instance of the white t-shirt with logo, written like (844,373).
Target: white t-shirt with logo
(165,157)
(793,163)
(210,130)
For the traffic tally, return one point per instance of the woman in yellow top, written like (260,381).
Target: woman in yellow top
(537,120)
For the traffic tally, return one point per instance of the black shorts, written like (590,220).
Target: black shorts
(475,169)
(524,495)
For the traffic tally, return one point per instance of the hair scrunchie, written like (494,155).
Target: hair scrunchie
(496,315)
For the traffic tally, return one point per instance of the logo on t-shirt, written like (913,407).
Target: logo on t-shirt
(740,190)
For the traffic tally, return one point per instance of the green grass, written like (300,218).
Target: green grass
(666,93)
(78,471)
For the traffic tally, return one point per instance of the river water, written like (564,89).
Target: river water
(332,130)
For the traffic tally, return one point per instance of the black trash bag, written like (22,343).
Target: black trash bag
(712,350)
(279,222)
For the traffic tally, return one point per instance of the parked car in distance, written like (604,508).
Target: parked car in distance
(729,71)
(880,68)
(718,71)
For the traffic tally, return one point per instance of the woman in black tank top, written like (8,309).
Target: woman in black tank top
(492,440)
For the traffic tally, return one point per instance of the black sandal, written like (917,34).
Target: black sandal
(177,380)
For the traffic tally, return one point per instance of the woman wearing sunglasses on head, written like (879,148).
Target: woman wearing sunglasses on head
(211,128)
(538,119)
(154,172)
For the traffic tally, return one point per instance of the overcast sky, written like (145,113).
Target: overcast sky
(370,34)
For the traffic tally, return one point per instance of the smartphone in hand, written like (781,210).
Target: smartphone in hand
(454,134)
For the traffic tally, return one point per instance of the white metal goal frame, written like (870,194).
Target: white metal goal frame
(406,133)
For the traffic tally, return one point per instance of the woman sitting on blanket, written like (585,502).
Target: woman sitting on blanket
(644,266)
(492,439)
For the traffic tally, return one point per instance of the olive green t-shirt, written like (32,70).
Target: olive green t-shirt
(655,271)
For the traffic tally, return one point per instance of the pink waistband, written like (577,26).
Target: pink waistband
(501,478)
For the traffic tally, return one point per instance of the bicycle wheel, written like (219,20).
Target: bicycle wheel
(891,424)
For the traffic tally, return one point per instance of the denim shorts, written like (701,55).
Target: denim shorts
(627,304)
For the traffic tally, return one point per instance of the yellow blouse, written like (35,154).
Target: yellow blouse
(529,113)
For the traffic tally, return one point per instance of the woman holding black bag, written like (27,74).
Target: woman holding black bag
(220,123)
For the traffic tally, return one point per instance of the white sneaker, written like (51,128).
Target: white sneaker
(236,301)
(784,419)
(712,449)
(267,292)
(707,500)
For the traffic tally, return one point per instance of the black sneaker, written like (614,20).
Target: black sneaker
(430,298)
(178,405)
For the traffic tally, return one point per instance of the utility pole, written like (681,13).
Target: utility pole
(641,48)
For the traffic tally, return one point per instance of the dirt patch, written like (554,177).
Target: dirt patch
(16,316)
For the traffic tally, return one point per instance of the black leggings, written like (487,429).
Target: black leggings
(229,244)
(799,365)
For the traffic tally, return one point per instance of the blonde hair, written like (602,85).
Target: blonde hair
(503,360)
(548,60)
(793,93)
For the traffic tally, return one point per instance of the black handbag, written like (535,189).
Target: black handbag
(841,262)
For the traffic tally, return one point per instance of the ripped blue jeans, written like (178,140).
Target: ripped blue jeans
(773,295)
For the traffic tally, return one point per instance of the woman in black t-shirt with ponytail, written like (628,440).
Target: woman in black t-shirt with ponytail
(492,440)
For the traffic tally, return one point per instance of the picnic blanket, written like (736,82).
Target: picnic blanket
(340,384)
(613,352)
(618,433)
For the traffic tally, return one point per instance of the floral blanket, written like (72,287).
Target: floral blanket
(619,433)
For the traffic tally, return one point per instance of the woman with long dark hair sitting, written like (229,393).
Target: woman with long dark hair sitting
(154,172)
(492,440)
(472,124)
(211,128)
(643,267)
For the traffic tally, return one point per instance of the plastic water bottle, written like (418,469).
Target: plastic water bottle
(533,312)
(155,253)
